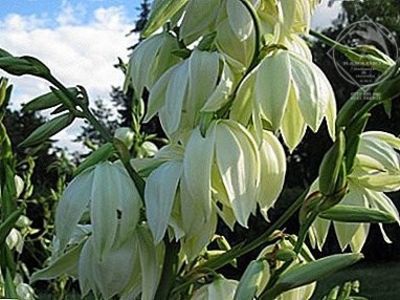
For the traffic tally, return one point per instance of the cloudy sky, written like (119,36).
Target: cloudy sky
(80,41)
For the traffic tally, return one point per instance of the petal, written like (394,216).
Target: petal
(273,170)
(203,78)
(159,196)
(359,238)
(72,205)
(240,19)
(222,92)
(375,146)
(243,103)
(199,15)
(346,231)
(86,269)
(193,244)
(197,163)
(320,229)
(129,201)
(157,94)
(113,273)
(170,113)
(237,160)
(313,89)
(104,209)
(272,87)
(293,124)
(151,259)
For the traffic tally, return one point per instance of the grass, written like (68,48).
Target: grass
(378,281)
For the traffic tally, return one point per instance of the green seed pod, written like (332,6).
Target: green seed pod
(285,254)
(47,130)
(3,90)
(312,271)
(331,165)
(125,135)
(24,65)
(46,101)
(99,155)
(356,214)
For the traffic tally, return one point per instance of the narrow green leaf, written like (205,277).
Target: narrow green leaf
(9,286)
(47,130)
(46,101)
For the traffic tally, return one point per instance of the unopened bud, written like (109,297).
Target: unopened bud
(125,135)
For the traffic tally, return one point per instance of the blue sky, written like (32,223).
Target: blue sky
(50,8)
(80,41)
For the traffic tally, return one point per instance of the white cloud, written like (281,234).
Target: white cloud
(77,51)
(326,13)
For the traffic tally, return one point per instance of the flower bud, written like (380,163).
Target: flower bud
(312,271)
(331,165)
(356,214)
(125,135)
(46,101)
(47,130)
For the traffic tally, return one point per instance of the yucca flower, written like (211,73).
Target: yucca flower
(202,83)
(377,170)
(229,166)
(289,93)
(286,16)
(129,269)
(150,59)
(231,22)
(109,197)
(225,173)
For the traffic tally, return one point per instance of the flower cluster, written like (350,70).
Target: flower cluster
(376,171)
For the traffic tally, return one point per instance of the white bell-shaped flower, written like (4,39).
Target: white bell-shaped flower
(227,166)
(289,93)
(150,59)
(169,207)
(129,269)
(110,197)
(201,83)
(376,171)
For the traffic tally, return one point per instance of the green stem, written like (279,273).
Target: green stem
(303,232)
(243,249)
(224,111)
(139,182)
(257,32)
(169,270)
(378,64)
